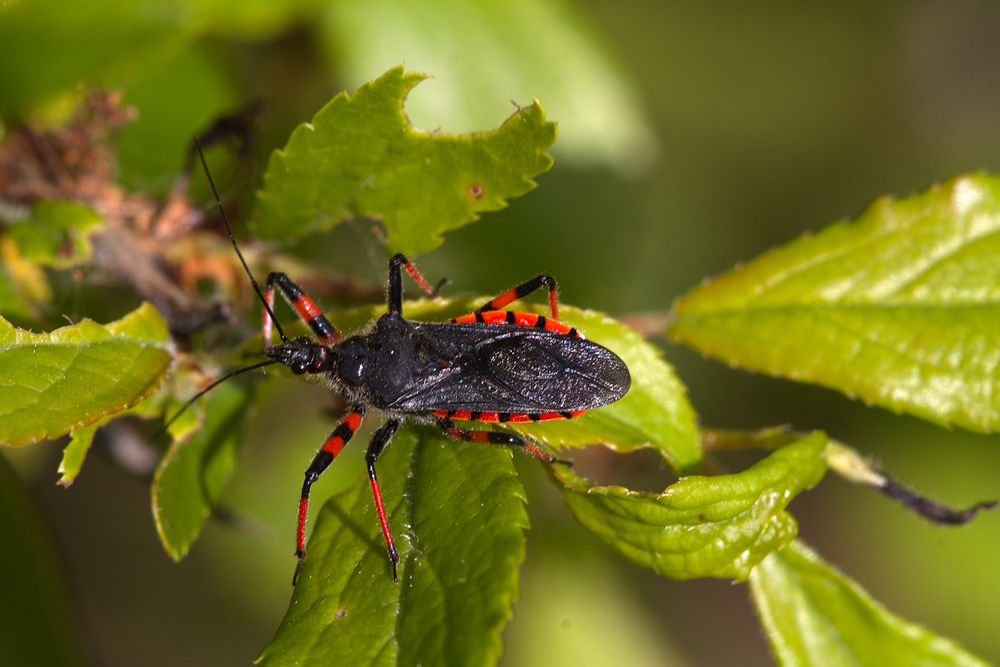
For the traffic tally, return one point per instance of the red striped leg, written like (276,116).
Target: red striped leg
(519,319)
(523,290)
(266,324)
(381,438)
(303,305)
(324,457)
(395,298)
(494,438)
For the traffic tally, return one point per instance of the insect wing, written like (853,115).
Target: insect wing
(516,369)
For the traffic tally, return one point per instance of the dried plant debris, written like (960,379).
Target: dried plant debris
(77,163)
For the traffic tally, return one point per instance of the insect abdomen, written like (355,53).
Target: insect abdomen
(507,417)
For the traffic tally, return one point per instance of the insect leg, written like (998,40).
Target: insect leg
(523,290)
(394,301)
(324,457)
(303,305)
(495,438)
(381,438)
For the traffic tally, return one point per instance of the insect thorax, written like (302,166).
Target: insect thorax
(387,362)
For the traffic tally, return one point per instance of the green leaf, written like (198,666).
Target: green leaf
(156,406)
(899,307)
(360,157)
(56,233)
(486,53)
(49,46)
(195,470)
(655,411)
(814,615)
(458,518)
(701,526)
(36,620)
(53,383)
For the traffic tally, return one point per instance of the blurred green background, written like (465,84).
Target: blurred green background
(693,136)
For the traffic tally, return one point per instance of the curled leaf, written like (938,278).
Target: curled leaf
(701,526)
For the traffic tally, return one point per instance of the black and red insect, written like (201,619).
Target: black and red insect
(492,365)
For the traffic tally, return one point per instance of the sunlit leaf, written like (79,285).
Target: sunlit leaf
(159,405)
(360,156)
(701,526)
(816,616)
(53,383)
(899,307)
(457,513)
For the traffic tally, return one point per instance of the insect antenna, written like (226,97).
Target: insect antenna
(236,247)
(215,383)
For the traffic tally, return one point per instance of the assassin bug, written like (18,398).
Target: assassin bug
(494,366)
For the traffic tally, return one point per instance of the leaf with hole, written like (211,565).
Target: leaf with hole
(359,156)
